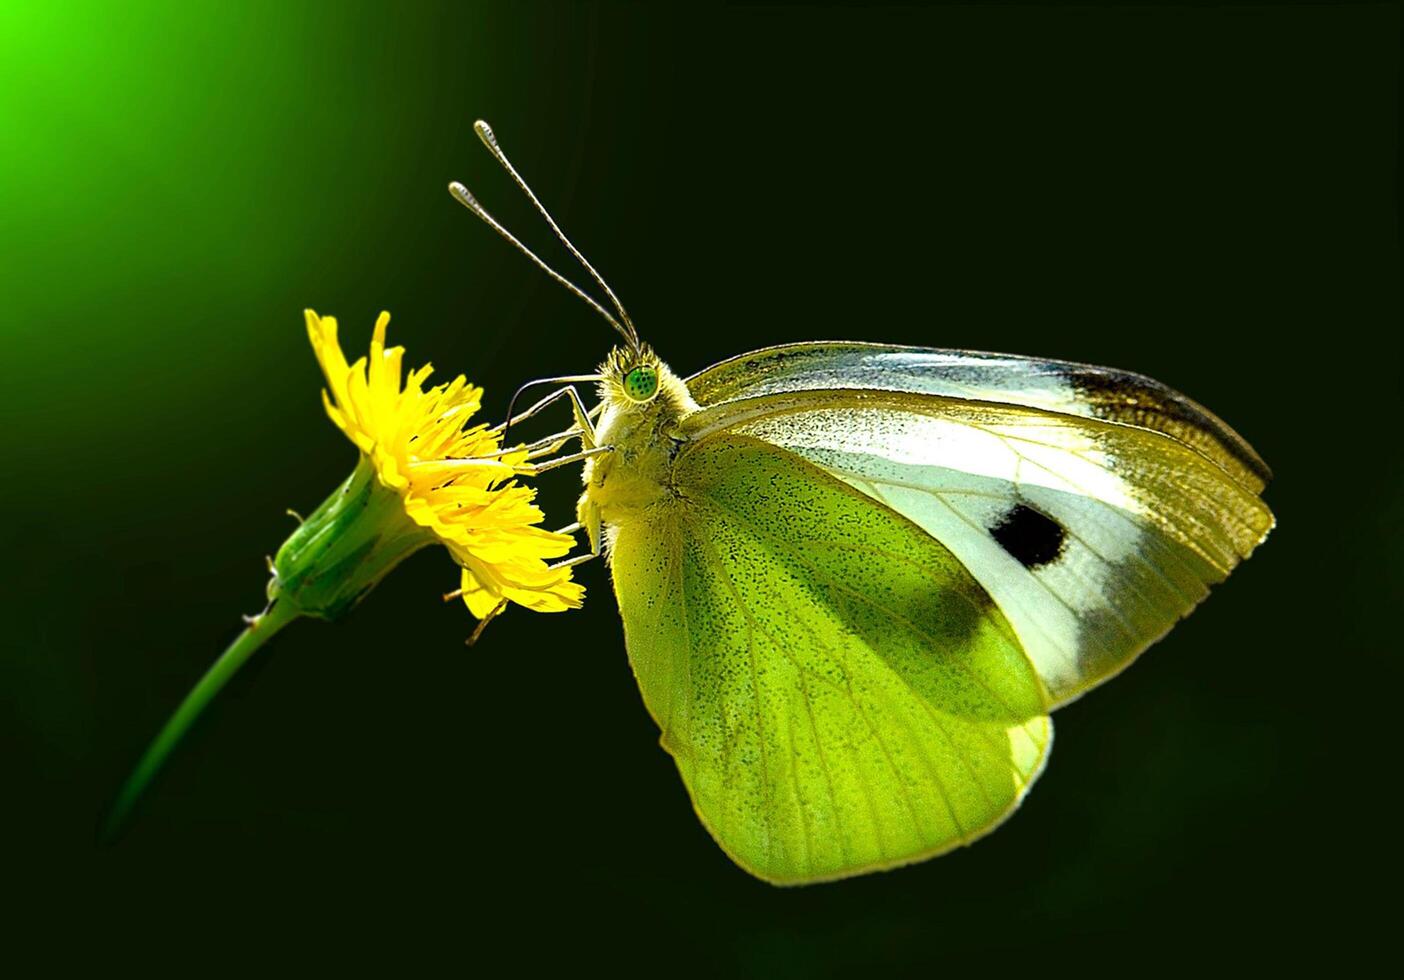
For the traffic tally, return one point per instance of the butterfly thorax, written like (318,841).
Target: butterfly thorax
(644,402)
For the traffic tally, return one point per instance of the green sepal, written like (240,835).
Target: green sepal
(345,547)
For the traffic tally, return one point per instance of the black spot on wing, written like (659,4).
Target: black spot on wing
(1033,538)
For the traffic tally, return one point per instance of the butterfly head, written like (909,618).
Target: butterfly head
(636,380)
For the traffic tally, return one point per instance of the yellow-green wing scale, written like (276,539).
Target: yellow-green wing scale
(839,693)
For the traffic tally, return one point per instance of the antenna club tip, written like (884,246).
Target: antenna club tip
(484,132)
(461,193)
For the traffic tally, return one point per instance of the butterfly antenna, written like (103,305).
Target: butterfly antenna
(465,197)
(485,134)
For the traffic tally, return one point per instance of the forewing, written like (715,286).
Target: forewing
(1092,537)
(1061,387)
(838,693)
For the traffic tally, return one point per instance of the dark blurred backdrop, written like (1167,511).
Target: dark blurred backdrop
(1206,195)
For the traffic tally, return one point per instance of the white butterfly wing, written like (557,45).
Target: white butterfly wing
(1096,507)
(1061,387)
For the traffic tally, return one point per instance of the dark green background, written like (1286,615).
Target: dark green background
(1205,195)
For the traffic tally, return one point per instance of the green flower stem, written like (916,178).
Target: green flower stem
(328,565)
(258,632)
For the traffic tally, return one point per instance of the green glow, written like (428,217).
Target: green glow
(179,181)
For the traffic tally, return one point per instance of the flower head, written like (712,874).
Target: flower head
(453,483)
(423,477)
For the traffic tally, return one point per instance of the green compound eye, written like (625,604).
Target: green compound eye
(641,383)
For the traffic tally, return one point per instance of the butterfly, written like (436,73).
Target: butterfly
(856,579)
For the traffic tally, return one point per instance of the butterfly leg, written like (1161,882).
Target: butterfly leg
(588,513)
(584,427)
(582,418)
(582,415)
(496,611)
(534,450)
(577,560)
(535,469)
(594,535)
(579,411)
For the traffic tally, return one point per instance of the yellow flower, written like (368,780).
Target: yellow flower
(453,483)
(424,477)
